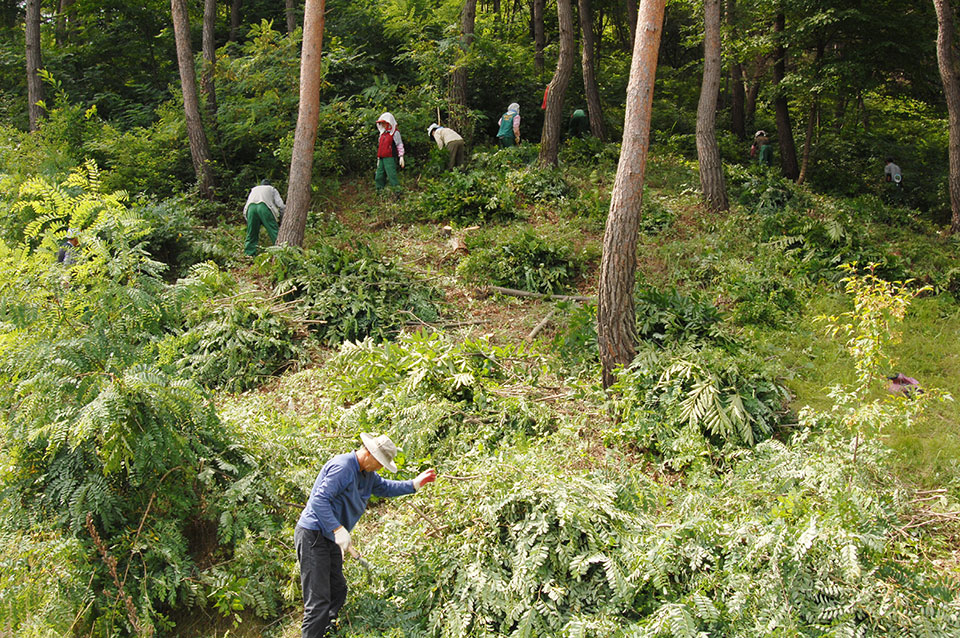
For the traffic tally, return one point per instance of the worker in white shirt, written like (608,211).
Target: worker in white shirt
(264,207)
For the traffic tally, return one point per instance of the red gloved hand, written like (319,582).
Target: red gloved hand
(425,477)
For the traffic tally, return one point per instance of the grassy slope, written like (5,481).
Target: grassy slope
(928,455)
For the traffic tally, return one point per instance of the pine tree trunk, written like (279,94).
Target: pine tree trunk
(708,151)
(616,319)
(305,138)
(950,76)
(291,13)
(210,58)
(788,149)
(34,63)
(459,114)
(738,121)
(557,89)
(808,140)
(589,78)
(234,20)
(539,40)
(199,149)
(632,21)
(66,18)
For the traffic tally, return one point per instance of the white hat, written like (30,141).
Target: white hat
(382,449)
(431,128)
(759,133)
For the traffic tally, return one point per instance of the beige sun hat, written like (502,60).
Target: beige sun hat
(382,449)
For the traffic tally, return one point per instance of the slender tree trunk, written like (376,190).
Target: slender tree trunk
(34,63)
(632,21)
(496,7)
(234,20)
(788,149)
(737,93)
(305,137)
(199,149)
(557,89)
(750,105)
(66,17)
(291,12)
(708,151)
(539,40)
(950,76)
(616,321)
(210,58)
(808,139)
(589,78)
(458,80)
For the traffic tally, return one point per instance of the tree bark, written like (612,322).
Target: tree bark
(66,16)
(234,20)
(616,320)
(210,58)
(632,21)
(34,63)
(305,137)
(539,40)
(788,149)
(708,151)
(557,89)
(199,149)
(950,76)
(458,80)
(808,140)
(589,77)
(291,13)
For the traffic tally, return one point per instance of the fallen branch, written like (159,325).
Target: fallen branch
(539,295)
(540,326)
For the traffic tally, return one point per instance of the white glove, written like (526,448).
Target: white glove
(342,537)
(401,161)
(425,477)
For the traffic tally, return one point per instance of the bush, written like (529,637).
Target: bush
(668,317)
(466,198)
(538,184)
(520,259)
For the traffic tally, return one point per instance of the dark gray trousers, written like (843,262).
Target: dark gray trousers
(321,577)
(457,155)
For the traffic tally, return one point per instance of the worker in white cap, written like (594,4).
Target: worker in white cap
(447,138)
(322,538)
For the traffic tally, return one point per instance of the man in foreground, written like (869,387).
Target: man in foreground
(322,538)
(263,208)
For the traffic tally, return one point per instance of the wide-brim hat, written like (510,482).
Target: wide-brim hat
(382,449)
(760,133)
(432,128)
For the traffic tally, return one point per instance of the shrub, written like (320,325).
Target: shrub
(522,259)
(538,184)
(668,316)
(590,152)
(466,198)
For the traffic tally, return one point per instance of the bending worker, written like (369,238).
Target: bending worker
(322,538)
(264,207)
(509,132)
(449,139)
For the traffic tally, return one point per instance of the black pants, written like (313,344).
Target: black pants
(321,577)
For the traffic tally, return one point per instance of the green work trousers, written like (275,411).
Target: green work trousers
(507,141)
(386,170)
(259,215)
(456,154)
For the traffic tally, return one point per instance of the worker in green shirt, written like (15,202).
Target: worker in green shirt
(579,124)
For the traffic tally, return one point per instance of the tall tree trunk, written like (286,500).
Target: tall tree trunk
(557,89)
(708,151)
(808,139)
(950,76)
(539,41)
(632,21)
(234,20)
(66,18)
(291,12)
(199,149)
(737,94)
(210,58)
(616,320)
(750,105)
(496,7)
(589,78)
(458,81)
(788,149)
(305,137)
(34,83)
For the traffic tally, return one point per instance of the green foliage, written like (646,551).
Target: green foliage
(590,152)
(521,259)
(668,316)
(348,295)
(466,198)
(538,184)
(681,401)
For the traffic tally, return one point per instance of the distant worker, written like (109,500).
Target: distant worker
(322,538)
(891,173)
(579,124)
(509,123)
(762,149)
(389,152)
(448,138)
(264,207)
(66,255)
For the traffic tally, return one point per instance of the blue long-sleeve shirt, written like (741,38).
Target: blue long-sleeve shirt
(340,494)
